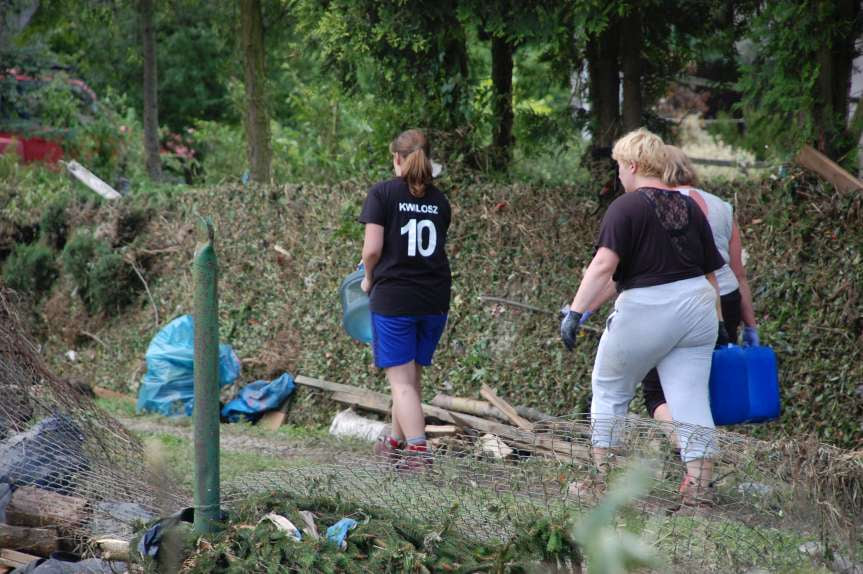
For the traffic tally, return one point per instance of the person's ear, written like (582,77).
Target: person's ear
(631,166)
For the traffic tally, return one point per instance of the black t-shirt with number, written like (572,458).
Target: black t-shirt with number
(661,236)
(413,275)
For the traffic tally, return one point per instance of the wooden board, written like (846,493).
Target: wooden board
(369,402)
(272,420)
(89,179)
(15,559)
(814,160)
(491,396)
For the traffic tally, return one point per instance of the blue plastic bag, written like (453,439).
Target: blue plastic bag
(338,532)
(168,387)
(258,397)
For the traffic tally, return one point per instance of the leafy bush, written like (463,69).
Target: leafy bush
(105,282)
(30,269)
(53,225)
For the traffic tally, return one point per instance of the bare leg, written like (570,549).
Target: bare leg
(407,410)
(663,414)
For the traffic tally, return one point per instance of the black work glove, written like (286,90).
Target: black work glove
(722,339)
(569,325)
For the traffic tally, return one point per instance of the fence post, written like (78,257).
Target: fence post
(206,412)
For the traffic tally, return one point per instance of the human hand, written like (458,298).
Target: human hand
(569,326)
(366,285)
(722,338)
(750,336)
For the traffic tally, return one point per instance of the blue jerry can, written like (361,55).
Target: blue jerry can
(729,386)
(763,385)
(356,316)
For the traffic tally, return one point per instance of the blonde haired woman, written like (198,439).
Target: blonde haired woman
(735,295)
(656,250)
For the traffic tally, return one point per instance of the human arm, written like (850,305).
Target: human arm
(373,245)
(597,285)
(735,254)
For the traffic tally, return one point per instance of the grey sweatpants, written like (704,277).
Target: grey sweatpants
(671,327)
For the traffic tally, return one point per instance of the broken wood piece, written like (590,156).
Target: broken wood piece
(31,506)
(469,406)
(494,446)
(440,430)
(491,396)
(814,160)
(272,420)
(92,181)
(281,250)
(532,414)
(15,559)
(39,541)
(113,549)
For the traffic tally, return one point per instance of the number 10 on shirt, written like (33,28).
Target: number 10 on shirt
(414,231)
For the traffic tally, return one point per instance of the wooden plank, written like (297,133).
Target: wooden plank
(89,179)
(369,402)
(15,559)
(491,396)
(814,160)
(440,430)
(272,420)
(40,541)
(31,506)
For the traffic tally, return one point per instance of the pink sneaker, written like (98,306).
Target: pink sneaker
(413,458)
(386,448)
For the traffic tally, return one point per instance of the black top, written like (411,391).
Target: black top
(413,275)
(661,236)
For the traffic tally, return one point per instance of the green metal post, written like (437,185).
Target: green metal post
(207,511)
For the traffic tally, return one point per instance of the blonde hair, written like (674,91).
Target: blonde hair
(679,171)
(643,148)
(413,149)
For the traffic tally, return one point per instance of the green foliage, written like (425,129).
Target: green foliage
(105,282)
(30,269)
(780,79)
(54,224)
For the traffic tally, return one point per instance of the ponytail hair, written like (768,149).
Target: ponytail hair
(413,149)
(679,170)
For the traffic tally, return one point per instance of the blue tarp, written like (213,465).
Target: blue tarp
(168,387)
(258,397)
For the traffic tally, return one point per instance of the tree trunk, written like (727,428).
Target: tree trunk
(455,63)
(630,48)
(151,107)
(604,86)
(835,61)
(258,149)
(502,51)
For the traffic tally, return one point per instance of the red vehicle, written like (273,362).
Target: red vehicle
(20,127)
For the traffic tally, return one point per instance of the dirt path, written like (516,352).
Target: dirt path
(237,440)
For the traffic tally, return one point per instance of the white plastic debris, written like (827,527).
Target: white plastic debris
(283,524)
(349,424)
(492,445)
(71,355)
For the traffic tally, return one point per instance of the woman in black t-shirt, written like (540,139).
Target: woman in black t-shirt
(407,276)
(656,249)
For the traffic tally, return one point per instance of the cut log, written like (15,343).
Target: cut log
(491,396)
(532,414)
(32,506)
(15,559)
(469,406)
(814,160)
(39,541)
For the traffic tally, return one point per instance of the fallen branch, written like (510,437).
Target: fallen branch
(521,305)
(147,289)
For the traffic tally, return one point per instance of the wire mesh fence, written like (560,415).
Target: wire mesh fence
(782,506)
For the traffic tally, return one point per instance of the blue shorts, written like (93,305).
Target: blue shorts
(397,340)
